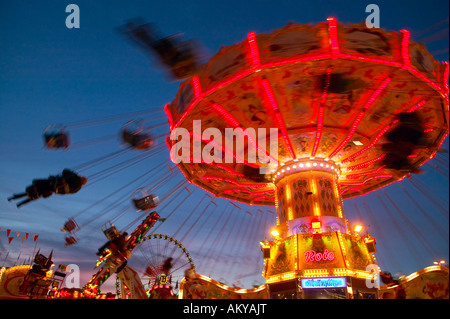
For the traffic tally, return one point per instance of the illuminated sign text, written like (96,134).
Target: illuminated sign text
(315,256)
(335,282)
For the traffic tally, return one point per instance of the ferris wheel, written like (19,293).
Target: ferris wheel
(161,262)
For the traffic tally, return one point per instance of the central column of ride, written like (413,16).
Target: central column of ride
(315,253)
(308,199)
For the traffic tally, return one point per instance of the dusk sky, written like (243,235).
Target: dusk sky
(93,81)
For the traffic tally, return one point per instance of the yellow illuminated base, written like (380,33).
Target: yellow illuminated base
(320,255)
(325,254)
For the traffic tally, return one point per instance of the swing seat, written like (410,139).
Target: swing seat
(56,139)
(110,231)
(138,140)
(146,203)
(70,240)
(70,226)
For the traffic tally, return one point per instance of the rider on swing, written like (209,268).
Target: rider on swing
(180,58)
(67,183)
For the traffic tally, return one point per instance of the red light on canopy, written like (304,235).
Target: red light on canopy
(273,103)
(169,116)
(350,189)
(231,120)
(197,86)
(405,48)
(445,80)
(332,31)
(254,51)
(264,197)
(415,107)
(366,163)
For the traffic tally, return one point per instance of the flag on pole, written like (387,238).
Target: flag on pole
(35,237)
(7,232)
(17,233)
(10,239)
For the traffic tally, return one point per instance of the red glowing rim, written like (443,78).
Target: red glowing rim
(394,81)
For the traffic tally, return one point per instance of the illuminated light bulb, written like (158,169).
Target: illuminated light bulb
(327,166)
(308,164)
(314,164)
(321,164)
(288,168)
(316,225)
(295,166)
(282,171)
(301,165)
(275,233)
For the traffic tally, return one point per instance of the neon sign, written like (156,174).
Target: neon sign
(334,282)
(311,255)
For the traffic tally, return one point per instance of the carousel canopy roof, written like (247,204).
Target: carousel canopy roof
(331,90)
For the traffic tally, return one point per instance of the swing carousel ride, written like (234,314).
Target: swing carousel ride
(323,113)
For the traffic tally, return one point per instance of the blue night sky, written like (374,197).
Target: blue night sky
(50,74)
